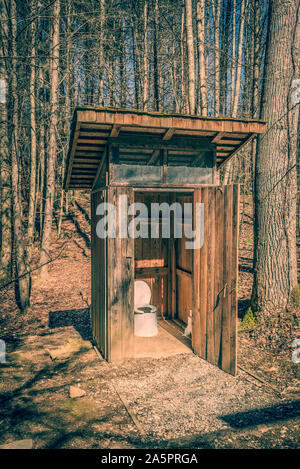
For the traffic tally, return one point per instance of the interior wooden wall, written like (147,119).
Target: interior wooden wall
(184,270)
(151,257)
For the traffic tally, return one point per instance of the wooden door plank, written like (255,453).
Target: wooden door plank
(215,273)
(120,285)
(210,277)
(234,279)
(197,324)
(218,288)
(227,266)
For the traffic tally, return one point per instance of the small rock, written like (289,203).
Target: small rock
(58,353)
(76,392)
(263,429)
(19,444)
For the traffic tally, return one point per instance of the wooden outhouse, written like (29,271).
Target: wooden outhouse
(154,157)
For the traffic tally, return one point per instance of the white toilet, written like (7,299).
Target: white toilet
(145,319)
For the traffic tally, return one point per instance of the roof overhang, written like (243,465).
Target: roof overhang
(94,127)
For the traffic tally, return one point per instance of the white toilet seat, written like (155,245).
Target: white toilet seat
(142,293)
(145,320)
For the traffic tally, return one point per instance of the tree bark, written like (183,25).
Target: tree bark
(22,285)
(33,149)
(156,74)
(50,180)
(191,55)
(123,87)
(101,53)
(237,85)
(216,14)
(233,62)
(184,104)
(239,62)
(5,169)
(275,271)
(145,59)
(201,56)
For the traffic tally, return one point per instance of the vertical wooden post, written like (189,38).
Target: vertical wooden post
(98,279)
(172,265)
(120,281)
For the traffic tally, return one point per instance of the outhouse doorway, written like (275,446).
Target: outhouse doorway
(201,282)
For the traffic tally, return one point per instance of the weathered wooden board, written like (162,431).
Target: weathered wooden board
(215,269)
(142,133)
(120,277)
(98,280)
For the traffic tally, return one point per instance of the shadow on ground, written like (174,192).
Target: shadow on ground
(78,318)
(266,415)
(243,306)
(71,217)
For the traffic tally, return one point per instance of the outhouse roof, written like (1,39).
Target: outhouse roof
(93,127)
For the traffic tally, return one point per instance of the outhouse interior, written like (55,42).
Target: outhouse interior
(162,158)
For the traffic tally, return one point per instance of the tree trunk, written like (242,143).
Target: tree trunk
(201,57)
(33,150)
(145,59)
(191,55)
(42,154)
(156,74)
(50,184)
(239,62)
(237,85)
(22,285)
(275,272)
(123,87)
(101,53)
(224,58)
(233,62)
(217,13)
(5,156)
(184,104)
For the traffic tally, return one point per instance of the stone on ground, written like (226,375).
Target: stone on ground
(75,392)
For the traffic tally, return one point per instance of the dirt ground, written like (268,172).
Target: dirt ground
(173,402)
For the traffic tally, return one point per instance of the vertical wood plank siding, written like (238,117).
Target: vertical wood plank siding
(215,270)
(120,278)
(98,280)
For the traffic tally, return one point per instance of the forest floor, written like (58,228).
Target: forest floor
(171,402)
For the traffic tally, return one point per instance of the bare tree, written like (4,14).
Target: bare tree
(237,85)
(191,55)
(5,167)
(275,272)
(202,105)
(50,180)
(33,146)
(217,16)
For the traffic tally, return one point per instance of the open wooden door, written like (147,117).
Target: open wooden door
(215,270)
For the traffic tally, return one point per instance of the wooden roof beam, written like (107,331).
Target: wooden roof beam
(251,137)
(73,139)
(153,143)
(153,157)
(100,168)
(198,158)
(115,131)
(169,134)
(218,137)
